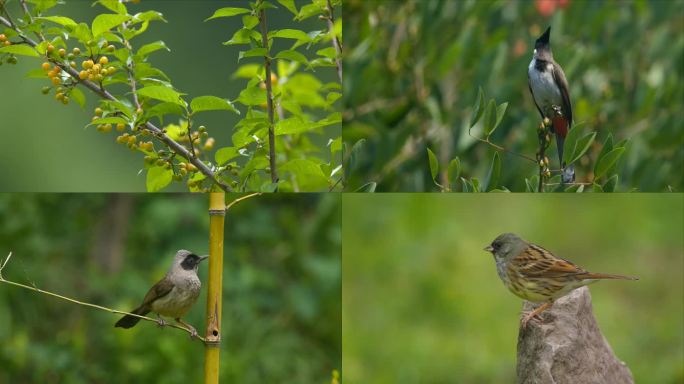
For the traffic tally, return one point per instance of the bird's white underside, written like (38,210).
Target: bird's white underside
(544,89)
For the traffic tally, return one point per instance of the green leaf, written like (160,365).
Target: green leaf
(295,34)
(308,175)
(329,52)
(368,187)
(228,12)
(110,120)
(494,172)
(77,96)
(582,146)
(307,11)
(114,6)
(479,108)
(211,103)
(105,22)
(146,17)
(162,93)
(252,96)
(176,131)
(152,47)
(249,21)
(354,154)
(454,172)
(158,178)
(500,110)
(254,52)
(607,161)
(293,125)
(293,56)
(243,36)
(65,21)
(610,185)
(290,5)
(226,154)
(434,165)
(489,119)
(19,49)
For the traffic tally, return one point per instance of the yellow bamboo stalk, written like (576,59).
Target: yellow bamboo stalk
(217,211)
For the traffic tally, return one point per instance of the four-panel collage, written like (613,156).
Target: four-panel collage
(244,191)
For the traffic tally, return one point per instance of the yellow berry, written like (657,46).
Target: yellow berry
(65,100)
(104,60)
(3,37)
(56,81)
(46,66)
(190,167)
(110,48)
(120,127)
(91,77)
(139,111)
(83,75)
(50,48)
(62,52)
(59,96)
(111,70)
(209,144)
(98,111)
(76,51)
(96,68)
(87,64)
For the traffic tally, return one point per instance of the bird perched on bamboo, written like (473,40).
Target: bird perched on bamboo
(173,295)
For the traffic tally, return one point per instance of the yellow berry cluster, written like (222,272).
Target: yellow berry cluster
(96,71)
(4,41)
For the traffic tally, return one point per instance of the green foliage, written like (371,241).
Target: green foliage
(304,105)
(417,73)
(104,57)
(282,287)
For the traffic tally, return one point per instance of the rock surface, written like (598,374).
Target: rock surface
(567,346)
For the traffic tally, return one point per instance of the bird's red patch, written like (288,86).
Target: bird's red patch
(560,126)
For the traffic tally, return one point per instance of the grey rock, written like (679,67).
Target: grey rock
(567,347)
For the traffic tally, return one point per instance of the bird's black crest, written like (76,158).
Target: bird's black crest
(543,39)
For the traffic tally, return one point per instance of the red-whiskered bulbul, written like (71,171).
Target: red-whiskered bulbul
(173,295)
(549,89)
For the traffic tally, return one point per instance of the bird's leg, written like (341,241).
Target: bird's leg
(535,313)
(193,331)
(160,321)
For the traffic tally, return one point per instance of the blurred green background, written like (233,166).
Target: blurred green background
(45,138)
(422,302)
(282,287)
(413,68)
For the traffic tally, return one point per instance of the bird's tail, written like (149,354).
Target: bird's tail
(609,276)
(129,321)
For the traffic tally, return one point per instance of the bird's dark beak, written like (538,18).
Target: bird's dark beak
(202,258)
(489,248)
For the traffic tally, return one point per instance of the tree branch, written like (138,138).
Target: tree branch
(157,132)
(106,309)
(335,42)
(269,98)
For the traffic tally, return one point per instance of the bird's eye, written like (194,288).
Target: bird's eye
(495,245)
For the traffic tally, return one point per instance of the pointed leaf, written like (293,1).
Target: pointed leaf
(19,49)
(607,161)
(479,108)
(105,22)
(160,92)
(489,120)
(211,103)
(158,178)
(494,172)
(454,171)
(434,165)
(228,12)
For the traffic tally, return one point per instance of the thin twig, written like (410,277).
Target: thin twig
(106,309)
(269,96)
(157,132)
(335,42)
(239,199)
